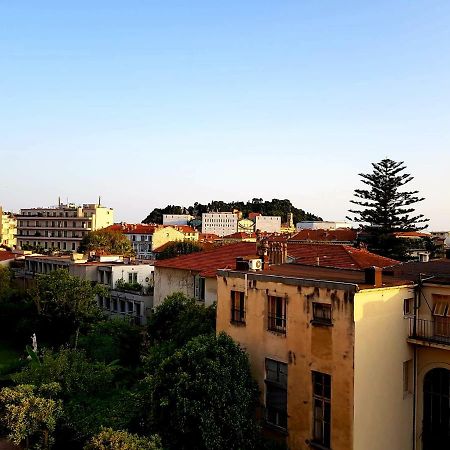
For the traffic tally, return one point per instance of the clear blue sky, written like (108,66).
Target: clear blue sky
(154,102)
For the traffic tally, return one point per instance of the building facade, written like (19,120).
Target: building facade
(268,224)
(176,219)
(8,229)
(221,224)
(62,227)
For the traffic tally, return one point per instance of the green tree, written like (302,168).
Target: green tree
(65,304)
(109,439)
(179,248)
(385,208)
(30,414)
(203,397)
(106,241)
(5,283)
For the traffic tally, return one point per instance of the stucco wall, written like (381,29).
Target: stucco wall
(382,411)
(305,348)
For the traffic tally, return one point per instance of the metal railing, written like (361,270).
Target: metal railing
(277,323)
(437,330)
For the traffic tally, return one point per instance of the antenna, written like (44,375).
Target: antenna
(99,200)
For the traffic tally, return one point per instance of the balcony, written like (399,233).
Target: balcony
(432,333)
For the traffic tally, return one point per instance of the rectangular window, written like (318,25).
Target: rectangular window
(322,408)
(277,314)
(322,313)
(276,393)
(408,306)
(407,377)
(130,277)
(237,307)
(199,283)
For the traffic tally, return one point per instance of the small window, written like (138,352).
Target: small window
(199,285)
(322,313)
(322,408)
(408,306)
(237,307)
(276,393)
(277,314)
(440,309)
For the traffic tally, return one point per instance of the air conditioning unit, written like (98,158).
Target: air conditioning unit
(255,264)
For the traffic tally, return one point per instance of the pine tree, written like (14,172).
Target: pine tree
(385,208)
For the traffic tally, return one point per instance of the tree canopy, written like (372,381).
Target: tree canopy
(384,206)
(106,241)
(109,439)
(204,398)
(173,249)
(275,207)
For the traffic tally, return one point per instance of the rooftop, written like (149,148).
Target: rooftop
(438,269)
(341,234)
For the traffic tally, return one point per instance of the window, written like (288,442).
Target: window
(322,408)
(407,377)
(322,313)
(408,306)
(276,393)
(237,307)
(199,285)
(132,277)
(277,314)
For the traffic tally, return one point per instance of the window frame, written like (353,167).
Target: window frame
(277,314)
(322,319)
(321,402)
(277,384)
(238,312)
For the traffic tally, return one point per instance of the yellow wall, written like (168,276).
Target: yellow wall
(164,235)
(382,411)
(304,348)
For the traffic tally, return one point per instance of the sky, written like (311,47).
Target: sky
(149,103)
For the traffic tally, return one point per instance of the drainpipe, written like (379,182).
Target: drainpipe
(414,395)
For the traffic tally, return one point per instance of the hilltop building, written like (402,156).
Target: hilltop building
(221,223)
(177,219)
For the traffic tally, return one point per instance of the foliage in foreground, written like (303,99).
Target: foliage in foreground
(109,439)
(203,397)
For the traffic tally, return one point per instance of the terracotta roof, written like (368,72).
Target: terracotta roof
(438,269)
(411,234)
(339,256)
(240,235)
(184,228)
(253,215)
(207,262)
(341,234)
(208,236)
(5,255)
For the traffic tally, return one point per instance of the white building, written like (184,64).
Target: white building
(176,219)
(221,224)
(269,224)
(321,225)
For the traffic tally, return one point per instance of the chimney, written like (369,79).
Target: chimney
(374,276)
(277,252)
(241,263)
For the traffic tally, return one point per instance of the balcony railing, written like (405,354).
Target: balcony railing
(437,330)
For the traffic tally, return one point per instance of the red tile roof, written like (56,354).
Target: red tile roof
(5,255)
(208,261)
(341,234)
(411,234)
(184,228)
(240,235)
(339,256)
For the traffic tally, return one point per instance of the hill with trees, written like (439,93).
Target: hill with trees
(275,207)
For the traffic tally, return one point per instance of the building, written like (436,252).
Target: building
(321,225)
(246,226)
(222,224)
(146,238)
(130,285)
(329,350)
(195,274)
(61,227)
(8,229)
(177,219)
(268,224)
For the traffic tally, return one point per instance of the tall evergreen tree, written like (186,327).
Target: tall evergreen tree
(385,208)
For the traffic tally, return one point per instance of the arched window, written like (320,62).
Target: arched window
(436,410)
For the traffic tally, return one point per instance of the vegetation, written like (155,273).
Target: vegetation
(109,439)
(179,248)
(275,207)
(105,241)
(386,209)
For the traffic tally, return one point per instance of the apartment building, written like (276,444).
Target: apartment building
(130,285)
(329,350)
(221,224)
(8,229)
(268,224)
(177,219)
(61,227)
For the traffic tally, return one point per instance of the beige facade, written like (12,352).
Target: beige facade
(163,235)
(221,224)
(8,229)
(62,227)
(318,331)
(169,281)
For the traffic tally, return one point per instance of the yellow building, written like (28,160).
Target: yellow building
(62,227)
(8,229)
(329,350)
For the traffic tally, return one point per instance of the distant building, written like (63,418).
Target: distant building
(61,227)
(176,219)
(222,224)
(8,229)
(321,225)
(246,226)
(268,224)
